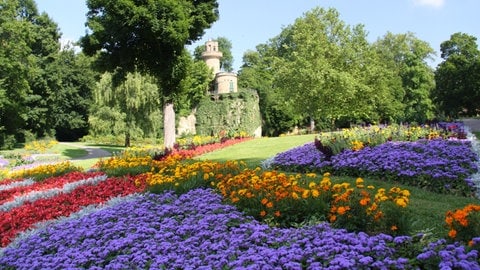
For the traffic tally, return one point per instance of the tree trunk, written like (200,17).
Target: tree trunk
(168,125)
(127,139)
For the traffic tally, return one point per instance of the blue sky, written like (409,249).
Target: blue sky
(247,23)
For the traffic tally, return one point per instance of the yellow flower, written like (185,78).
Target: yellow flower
(305,194)
(359,182)
(315,193)
(401,202)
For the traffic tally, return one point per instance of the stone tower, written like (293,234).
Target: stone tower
(212,56)
(224,82)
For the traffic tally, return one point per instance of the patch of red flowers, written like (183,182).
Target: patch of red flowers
(202,149)
(49,183)
(23,217)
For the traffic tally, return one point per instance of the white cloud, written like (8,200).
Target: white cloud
(430,3)
(68,43)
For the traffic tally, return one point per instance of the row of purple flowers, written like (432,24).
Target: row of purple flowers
(438,165)
(197,231)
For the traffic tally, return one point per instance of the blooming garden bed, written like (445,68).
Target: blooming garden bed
(211,215)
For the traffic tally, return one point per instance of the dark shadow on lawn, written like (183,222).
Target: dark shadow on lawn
(107,147)
(74,153)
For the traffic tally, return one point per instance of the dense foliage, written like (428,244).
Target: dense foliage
(458,78)
(321,69)
(239,112)
(43,90)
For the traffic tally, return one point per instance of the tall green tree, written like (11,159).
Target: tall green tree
(195,86)
(29,46)
(457,77)
(256,73)
(148,37)
(225,46)
(328,70)
(72,82)
(125,108)
(407,56)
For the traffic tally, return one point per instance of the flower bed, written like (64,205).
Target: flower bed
(27,214)
(437,165)
(21,187)
(193,228)
(196,230)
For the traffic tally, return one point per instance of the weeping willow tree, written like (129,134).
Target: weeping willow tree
(131,108)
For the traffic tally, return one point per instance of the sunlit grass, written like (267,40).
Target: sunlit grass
(253,152)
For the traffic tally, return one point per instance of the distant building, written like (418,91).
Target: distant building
(224,82)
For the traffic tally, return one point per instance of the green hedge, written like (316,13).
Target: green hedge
(232,113)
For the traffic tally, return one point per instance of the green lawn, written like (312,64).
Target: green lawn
(253,152)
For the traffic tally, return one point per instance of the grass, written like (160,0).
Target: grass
(255,151)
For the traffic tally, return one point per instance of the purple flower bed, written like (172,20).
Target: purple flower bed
(438,165)
(303,158)
(197,231)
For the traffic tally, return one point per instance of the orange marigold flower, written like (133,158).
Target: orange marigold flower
(452,233)
(342,210)
(394,228)
(333,218)
(364,201)
(264,201)
(269,205)
(277,213)
(263,213)
(449,219)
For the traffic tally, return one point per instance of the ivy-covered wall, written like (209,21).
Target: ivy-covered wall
(231,113)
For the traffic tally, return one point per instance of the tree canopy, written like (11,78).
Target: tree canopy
(327,69)
(457,78)
(44,90)
(406,56)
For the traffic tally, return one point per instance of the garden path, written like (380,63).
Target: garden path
(472,123)
(92,152)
